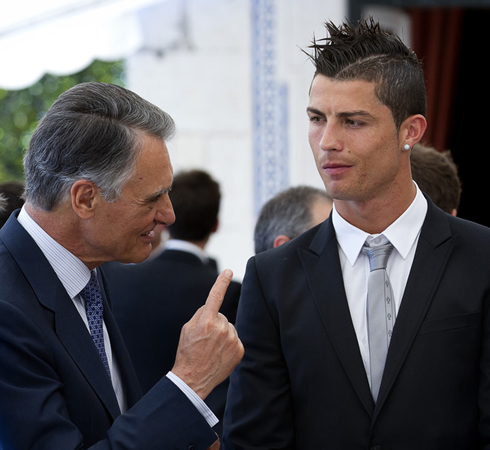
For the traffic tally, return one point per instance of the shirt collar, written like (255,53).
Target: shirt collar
(72,272)
(186,246)
(402,233)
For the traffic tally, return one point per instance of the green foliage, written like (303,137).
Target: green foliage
(21,110)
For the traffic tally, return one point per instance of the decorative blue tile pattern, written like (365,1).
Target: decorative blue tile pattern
(270,107)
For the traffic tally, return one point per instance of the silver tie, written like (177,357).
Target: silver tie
(380,309)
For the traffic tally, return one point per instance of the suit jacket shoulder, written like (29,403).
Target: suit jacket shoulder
(302,362)
(50,367)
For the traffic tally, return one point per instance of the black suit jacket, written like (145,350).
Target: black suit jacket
(151,303)
(302,383)
(54,392)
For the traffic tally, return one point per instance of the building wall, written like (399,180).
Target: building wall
(232,75)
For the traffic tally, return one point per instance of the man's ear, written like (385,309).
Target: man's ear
(215,226)
(83,193)
(413,129)
(279,240)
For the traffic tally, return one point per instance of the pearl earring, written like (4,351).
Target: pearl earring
(406,147)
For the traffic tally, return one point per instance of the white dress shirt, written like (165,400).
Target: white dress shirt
(74,276)
(186,246)
(403,234)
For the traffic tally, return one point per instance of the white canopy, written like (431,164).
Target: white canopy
(64,36)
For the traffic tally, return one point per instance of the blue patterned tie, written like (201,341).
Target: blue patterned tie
(95,312)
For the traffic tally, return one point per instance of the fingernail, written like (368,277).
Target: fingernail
(227,273)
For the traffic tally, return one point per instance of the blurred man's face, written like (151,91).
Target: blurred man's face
(320,210)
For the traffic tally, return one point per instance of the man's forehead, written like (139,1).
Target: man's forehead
(346,97)
(153,172)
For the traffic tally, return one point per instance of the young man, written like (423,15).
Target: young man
(341,352)
(97,181)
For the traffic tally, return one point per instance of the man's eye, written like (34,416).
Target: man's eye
(353,123)
(152,201)
(315,119)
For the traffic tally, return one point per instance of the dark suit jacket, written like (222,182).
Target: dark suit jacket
(151,303)
(54,392)
(302,383)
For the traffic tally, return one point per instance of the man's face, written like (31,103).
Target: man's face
(354,140)
(123,230)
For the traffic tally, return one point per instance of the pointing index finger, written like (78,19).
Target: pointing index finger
(217,293)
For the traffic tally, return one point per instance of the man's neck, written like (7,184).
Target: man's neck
(201,243)
(66,235)
(375,215)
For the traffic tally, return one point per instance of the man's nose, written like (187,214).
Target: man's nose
(165,211)
(331,137)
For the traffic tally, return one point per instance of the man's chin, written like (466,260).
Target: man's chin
(136,258)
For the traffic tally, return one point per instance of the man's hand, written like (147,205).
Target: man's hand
(209,347)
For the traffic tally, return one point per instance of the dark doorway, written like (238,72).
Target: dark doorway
(469,132)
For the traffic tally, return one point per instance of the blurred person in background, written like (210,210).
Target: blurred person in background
(436,174)
(289,214)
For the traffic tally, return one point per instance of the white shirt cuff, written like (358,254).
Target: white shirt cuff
(208,415)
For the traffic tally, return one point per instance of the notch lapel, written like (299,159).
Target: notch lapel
(128,375)
(76,339)
(68,325)
(433,251)
(322,267)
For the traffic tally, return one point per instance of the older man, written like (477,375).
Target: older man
(97,180)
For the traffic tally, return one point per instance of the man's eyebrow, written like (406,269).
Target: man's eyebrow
(154,197)
(309,109)
(343,114)
(359,113)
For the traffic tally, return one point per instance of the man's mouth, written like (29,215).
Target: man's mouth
(335,168)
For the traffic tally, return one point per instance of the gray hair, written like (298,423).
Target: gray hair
(3,203)
(287,213)
(93,131)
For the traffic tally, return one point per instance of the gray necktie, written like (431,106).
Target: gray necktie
(380,309)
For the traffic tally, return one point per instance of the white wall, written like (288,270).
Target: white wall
(233,77)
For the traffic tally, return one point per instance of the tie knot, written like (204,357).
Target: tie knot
(91,291)
(378,255)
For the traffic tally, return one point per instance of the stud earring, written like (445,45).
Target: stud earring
(406,147)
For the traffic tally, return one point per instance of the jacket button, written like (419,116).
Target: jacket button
(191,447)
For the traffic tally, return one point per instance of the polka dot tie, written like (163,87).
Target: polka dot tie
(380,309)
(95,312)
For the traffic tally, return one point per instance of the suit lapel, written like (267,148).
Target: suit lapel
(68,325)
(433,251)
(322,268)
(128,375)
(76,339)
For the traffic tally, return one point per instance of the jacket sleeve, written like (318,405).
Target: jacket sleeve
(34,413)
